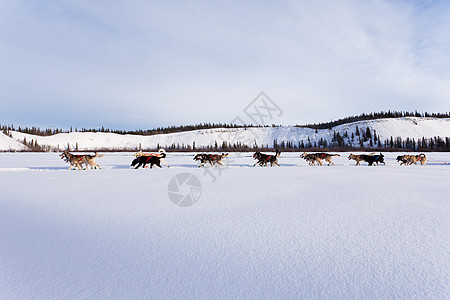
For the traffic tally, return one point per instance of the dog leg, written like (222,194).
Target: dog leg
(162,160)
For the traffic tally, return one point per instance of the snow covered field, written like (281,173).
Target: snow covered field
(287,232)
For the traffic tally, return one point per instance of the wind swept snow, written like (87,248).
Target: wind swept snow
(287,232)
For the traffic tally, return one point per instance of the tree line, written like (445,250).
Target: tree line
(374,116)
(172,129)
(360,139)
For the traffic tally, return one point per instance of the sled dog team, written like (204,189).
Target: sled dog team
(82,161)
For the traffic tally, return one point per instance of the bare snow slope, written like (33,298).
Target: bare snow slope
(10,144)
(411,127)
(291,232)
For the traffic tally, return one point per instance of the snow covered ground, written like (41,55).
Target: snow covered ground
(287,232)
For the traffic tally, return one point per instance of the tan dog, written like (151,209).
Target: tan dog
(413,159)
(77,160)
(90,159)
(356,158)
(408,160)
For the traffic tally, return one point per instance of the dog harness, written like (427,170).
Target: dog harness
(149,157)
(152,154)
(77,157)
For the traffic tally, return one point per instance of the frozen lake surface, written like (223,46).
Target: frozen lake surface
(285,232)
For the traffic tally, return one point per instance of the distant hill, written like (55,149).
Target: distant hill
(413,133)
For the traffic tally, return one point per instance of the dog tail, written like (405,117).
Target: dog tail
(96,154)
(277,153)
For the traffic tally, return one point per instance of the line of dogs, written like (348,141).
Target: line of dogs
(83,161)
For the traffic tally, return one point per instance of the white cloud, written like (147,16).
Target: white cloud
(184,62)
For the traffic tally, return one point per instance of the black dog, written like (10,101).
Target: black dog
(403,159)
(144,160)
(371,159)
(263,159)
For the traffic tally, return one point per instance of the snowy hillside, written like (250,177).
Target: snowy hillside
(9,144)
(412,127)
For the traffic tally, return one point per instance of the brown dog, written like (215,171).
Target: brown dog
(356,158)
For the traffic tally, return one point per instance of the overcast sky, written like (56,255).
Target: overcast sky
(143,64)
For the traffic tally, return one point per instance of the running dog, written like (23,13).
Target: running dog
(412,159)
(371,159)
(159,154)
(74,160)
(356,158)
(263,159)
(78,160)
(309,158)
(403,159)
(422,158)
(312,158)
(90,159)
(143,160)
(212,159)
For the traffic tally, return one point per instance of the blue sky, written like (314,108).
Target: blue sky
(144,64)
